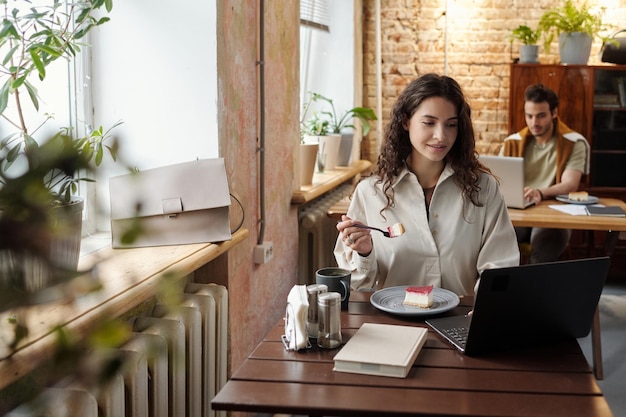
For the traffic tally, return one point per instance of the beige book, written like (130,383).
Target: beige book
(381,349)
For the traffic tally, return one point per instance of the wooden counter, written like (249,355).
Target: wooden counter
(328,180)
(128,276)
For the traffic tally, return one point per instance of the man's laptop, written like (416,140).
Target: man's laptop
(510,171)
(528,305)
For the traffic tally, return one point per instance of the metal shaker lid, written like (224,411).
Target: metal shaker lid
(329,298)
(316,288)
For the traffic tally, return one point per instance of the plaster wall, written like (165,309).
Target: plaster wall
(258,293)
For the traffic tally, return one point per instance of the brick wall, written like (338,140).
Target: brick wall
(465,39)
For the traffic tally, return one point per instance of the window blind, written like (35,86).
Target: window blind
(314,13)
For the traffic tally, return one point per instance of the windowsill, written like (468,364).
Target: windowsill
(128,277)
(328,180)
(94,242)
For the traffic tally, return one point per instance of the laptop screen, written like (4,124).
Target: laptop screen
(532,304)
(510,173)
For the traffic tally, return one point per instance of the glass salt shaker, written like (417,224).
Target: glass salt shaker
(329,320)
(313,291)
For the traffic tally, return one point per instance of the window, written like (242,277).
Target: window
(156,74)
(327,56)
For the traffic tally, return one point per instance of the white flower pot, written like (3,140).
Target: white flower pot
(327,152)
(329,149)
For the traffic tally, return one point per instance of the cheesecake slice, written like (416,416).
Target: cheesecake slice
(419,296)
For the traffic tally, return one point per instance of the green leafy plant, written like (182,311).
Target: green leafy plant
(569,18)
(525,34)
(337,124)
(63,184)
(32,38)
(317,125)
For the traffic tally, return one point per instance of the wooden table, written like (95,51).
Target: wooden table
(542,215)
(552,381)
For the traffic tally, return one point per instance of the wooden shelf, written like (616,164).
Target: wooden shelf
(128,276)
(325,182)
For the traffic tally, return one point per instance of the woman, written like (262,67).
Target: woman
(429,179)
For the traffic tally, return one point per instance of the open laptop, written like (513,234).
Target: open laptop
(528,305)
(510,171)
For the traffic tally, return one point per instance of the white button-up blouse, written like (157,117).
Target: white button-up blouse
(448,248)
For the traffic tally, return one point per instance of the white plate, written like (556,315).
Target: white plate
(390,300)
(590,200)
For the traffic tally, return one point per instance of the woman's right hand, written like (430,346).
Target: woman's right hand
(357,239)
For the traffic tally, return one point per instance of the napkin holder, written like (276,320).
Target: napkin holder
(296,313)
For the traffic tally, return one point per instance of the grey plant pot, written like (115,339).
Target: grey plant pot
(529,54)
(35,277)
(345,149)
(574,48)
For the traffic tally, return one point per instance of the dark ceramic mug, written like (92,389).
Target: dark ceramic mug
(337,280)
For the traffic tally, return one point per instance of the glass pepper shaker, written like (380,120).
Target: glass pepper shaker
(329,320)
(313,291)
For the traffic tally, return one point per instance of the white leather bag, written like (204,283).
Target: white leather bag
(171,205)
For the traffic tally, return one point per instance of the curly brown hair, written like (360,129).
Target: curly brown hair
(397,146)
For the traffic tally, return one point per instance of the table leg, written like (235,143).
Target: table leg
(596,346)
(596,339)
(610,242)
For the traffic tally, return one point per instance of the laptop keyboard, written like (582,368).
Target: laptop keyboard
(458,334)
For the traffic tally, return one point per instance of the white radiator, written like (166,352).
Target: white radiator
(317,234)
(175,363)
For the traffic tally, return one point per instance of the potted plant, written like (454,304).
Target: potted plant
(575,27)
(310,129)
(339,124)
(32,38)
(529,50)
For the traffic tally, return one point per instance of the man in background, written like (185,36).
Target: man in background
(555,159)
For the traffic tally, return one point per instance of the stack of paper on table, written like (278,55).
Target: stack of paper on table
(381,349)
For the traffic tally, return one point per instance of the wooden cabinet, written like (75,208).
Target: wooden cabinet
(590,103)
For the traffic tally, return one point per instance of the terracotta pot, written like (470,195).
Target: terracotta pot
(308,156)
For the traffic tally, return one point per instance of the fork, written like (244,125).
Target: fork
(392,231)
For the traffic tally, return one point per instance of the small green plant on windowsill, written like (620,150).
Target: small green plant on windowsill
(336,124)
(316,125)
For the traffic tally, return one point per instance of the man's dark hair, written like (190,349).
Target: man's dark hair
(538,93)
